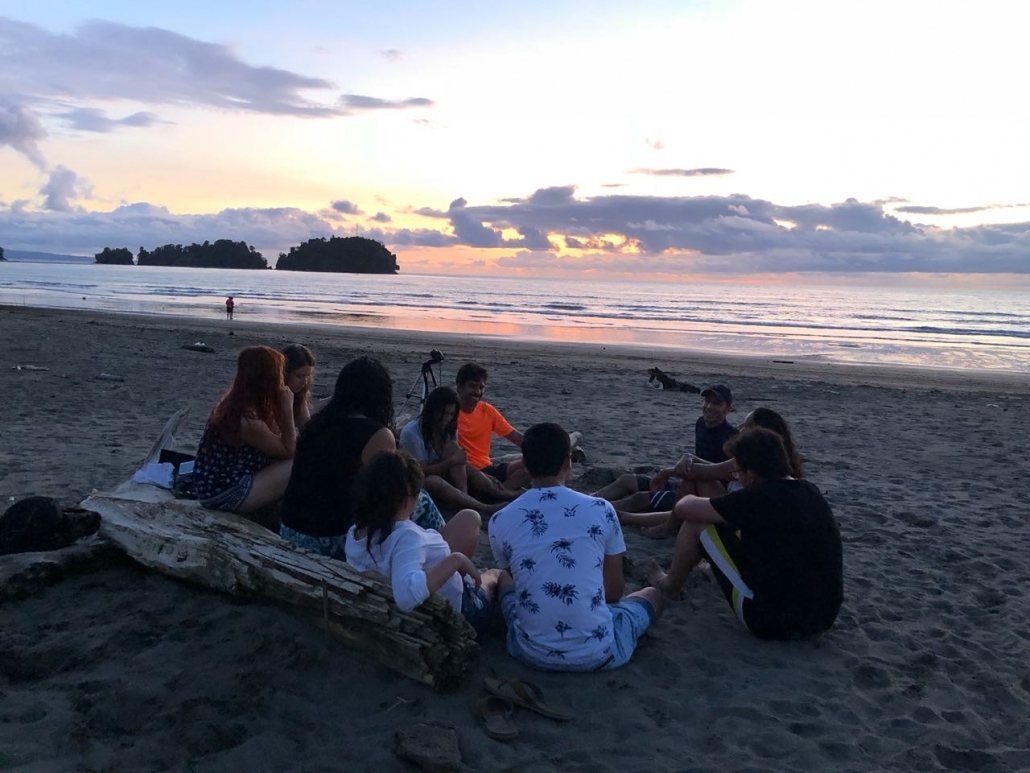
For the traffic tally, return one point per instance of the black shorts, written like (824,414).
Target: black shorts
(765,620)
(665,499)
(498,470)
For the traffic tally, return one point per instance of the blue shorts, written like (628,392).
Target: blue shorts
(660,500)
(331,547)
(476,608)
(232,499)
(630,618)
(427,514)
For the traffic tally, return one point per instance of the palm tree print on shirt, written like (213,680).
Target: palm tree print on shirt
(561,627)
(561,548)
(564,593)
(595,532)
(570,512)
(597,599)
(548,496)
(537,522)
(527,603)
(506,551)
(599,633)
(527,564)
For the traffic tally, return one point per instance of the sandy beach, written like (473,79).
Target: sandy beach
(927,667)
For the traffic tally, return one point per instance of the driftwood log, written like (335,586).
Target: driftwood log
(22,574)
(433,644)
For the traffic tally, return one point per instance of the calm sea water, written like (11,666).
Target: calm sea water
(973,329)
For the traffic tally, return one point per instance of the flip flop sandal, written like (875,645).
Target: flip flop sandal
(495,714)
(526,695)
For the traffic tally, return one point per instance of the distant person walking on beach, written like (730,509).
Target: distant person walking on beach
(774,546)
(230,304)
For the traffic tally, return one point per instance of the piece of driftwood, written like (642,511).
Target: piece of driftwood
(22,574)
(433,644)
(668,382)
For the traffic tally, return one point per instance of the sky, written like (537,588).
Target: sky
(686,140)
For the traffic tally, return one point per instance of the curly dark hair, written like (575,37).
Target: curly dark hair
(434,433)
(470,371)
(382,487)
(769,419)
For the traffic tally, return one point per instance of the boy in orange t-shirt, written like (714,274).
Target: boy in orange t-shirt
(478,422)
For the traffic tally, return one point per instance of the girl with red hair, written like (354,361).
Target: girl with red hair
(246,453)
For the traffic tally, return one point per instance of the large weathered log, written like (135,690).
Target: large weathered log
(432,644)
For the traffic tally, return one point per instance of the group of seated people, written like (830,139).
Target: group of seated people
(739,502)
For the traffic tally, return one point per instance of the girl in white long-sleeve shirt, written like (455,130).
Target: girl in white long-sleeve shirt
(417,561)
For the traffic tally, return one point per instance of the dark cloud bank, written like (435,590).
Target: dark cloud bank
(702,234)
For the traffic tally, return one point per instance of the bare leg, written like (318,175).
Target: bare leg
(457,475)
(620,488)
(653,595)
(462,532)
(685,556)
(482,485)
(518,476)
(643,519)
(444,493)
(488,581)
(639,502)
(269,486)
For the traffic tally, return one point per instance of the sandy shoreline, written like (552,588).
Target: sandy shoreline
(926,668)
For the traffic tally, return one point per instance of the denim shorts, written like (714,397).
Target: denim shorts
(331,547)
(630,618)
(476,608)
(232,499)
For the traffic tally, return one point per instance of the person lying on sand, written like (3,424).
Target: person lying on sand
(432,440)
(245,455)
(417,561)
(664,524)
(478,421)
(640,494)
(343,437)
(562,589)
(773,546)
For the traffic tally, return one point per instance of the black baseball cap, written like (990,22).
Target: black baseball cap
(721,391)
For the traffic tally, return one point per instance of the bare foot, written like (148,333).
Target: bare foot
(662,531)
(659,578)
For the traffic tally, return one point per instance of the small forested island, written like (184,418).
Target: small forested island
(351,255)
(224,253)
(119,256)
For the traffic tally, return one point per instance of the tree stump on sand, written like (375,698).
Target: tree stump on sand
(22,574)
(433,644)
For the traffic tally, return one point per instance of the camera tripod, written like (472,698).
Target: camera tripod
(420,387)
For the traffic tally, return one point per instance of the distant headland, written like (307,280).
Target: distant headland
(351,255)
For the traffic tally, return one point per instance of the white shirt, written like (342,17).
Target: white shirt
(554,541)
(411,441)
(403,557)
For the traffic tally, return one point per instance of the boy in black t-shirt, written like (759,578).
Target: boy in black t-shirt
(641,494)
(774,546)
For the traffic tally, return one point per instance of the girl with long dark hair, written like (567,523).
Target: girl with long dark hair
(298,374)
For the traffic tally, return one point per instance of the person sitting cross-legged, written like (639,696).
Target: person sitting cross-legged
(432,440)
(561,593)
(774,546)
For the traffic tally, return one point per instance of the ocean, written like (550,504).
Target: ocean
(953,329)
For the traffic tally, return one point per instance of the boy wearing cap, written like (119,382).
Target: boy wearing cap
(640,493)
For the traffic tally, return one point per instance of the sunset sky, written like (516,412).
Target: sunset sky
(690,139)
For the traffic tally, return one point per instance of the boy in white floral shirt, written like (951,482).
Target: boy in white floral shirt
(561,593)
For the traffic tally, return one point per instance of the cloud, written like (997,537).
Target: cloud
(93,119)
(345,207)
(358,102)
(703,172)
(391,55)
(654,144)
(103,60)
(22,130)
(381,217)
(914,210)
(63,186)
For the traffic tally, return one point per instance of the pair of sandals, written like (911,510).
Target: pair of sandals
(495,709)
